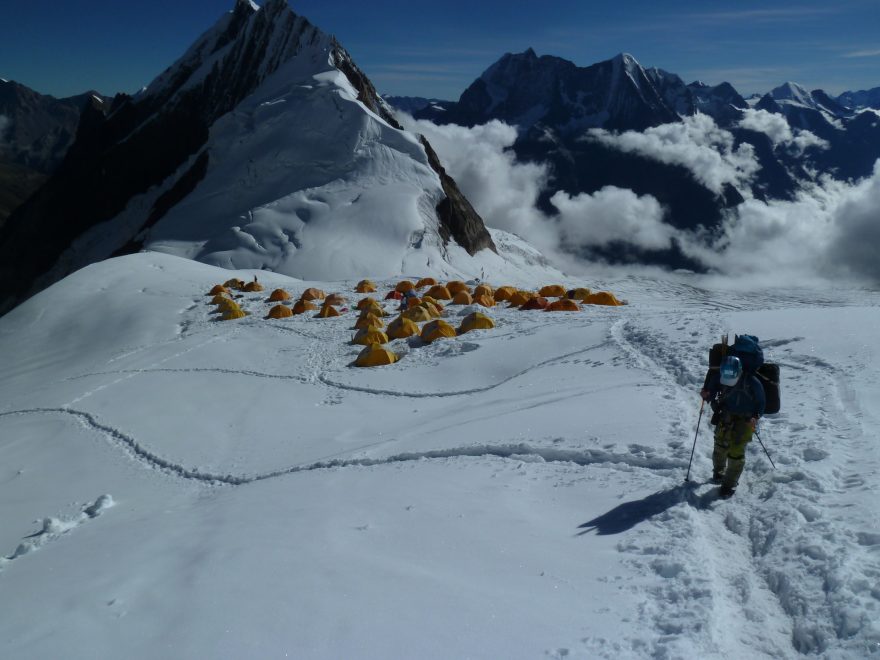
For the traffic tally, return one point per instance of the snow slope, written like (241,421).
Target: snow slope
(174,486)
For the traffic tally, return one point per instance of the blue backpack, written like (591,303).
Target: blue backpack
(749,352)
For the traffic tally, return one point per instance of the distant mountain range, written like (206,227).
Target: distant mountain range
(567,116)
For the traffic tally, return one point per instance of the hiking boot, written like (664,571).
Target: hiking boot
(717,476)
(726,492)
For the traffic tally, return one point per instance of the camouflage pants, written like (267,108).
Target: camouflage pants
(732,435)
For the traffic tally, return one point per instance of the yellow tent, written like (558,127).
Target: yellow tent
(602,298)
(279,312)
(365,286)
(375,355)
(563,305)
(227,304)
(484,300)
(364,302)
(455,286)
(475,321)
(334,299)
(401,327)
(278,295)
(404,285)
(369,321)
(253,287)
(462,298)
(313,294)
(580,294)
(426,281)
(303,306)
(234,283)
(433,309)
(520,298)
(435,330)
(326,312)
(230,314)
(503,293)
(552,291)
(218,289)
(369,336)
(417,314)
(218,299)
(439,292)
(483,290)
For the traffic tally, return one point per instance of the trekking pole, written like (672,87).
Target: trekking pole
(765,449)
(688,476)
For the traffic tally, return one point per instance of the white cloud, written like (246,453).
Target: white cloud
(696,143)
(777,128)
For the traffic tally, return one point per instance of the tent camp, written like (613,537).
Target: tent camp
(375,355)
(579,294)
(404,285)
(436,330)
(366,302)
(230,314)
(313,294)
(602,298)
(538,302)
(334,299)
(234,283)
(552,291)
(303,306)
(326,312)
(426,281)
(369,336)
(252,287)
(401,327)
(563,305)
(217,289)
(520,298)
(503,293)
(462,298)
(279,312)
(365,286)
(484,300)
(483,290)
(417,314)
(475,321)
(439,292)
(278,295)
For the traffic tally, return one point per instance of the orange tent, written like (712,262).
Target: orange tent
(484,290)
(326,312)
(475,321)
(503,293)
(433,310)
(538,302)
(279,312)
(602,298)
(218,299)
(253,287)
(234,283)
(462,298)
(417,314)
(375,355)
(369,321)
(334,299)
(231,314)
(520,298)
(217,289)
(435,330)
(366,302)
(394,295)
(439,292)
(413,301)
(369,336)
(455,286)
(401,328)
(365,286)
(313,294)
(579,294)
(552,291)
(563,305)
(278,295)
(375,309)
(303,306)
(403,286)
(484,300)
(426,281)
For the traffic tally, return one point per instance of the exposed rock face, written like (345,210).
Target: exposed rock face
(159,139)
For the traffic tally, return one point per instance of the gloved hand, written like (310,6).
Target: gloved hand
(753,423)
(705,394)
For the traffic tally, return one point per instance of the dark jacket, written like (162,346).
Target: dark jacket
(746,398)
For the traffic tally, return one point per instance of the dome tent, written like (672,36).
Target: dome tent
(435,330)
(462,298)
(326,312)
(230,314)
(334,299)
(520,298)
(219,299)
(303,306)
(394,295)
(375,355)
(279,312)
(426,281)
(227,304)
(475,321)
(234,283)
(602,298)
(433,309)
(369,321)
(579,294)
(403,286)
(439,292)
(503,293)
(252,287)
(369,336)
(417,314)
(538,302)
(456,285)
(374,308)
(401,328)
(563,305)
(483,290)
(278,295)
(552,291)
(313,294)
(484,300)
(365,286)
(217,289)
(364,302)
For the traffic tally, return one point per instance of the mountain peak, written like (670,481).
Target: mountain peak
(791,91)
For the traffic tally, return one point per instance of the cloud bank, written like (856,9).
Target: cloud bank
(776,127)
(829,231)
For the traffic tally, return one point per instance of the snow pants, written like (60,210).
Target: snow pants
(732,435)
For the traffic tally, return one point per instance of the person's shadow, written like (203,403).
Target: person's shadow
(629,514)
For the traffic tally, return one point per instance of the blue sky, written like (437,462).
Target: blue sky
(420,48)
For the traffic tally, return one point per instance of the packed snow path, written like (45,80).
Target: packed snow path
(517,492)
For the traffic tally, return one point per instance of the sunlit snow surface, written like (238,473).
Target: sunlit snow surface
(176,486)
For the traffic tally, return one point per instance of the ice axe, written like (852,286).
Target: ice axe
(688,475)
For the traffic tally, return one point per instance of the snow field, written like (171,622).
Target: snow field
(516,492)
